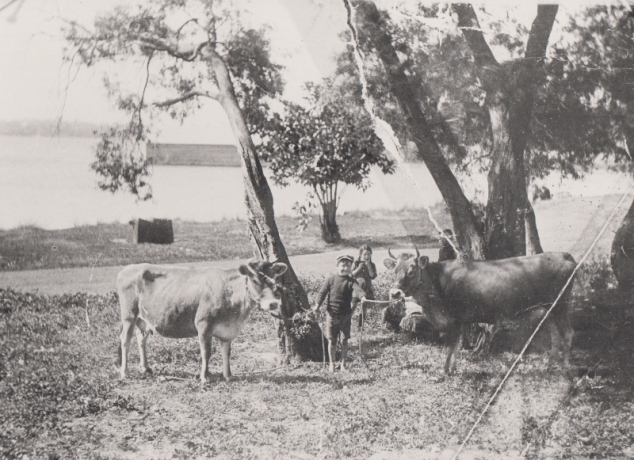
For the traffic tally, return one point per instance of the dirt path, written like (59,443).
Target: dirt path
(101,280)
(565,224)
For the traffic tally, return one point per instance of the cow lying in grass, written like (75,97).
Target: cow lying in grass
(203,302)
(454,293)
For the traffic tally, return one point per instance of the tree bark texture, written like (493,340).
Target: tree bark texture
(374,27)
(265,236)
(622,254)
(328,221)
(511,228)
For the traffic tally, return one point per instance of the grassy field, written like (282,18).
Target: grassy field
(28,248)
(60,396)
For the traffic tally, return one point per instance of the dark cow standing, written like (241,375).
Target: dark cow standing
(204,302)
(456,292)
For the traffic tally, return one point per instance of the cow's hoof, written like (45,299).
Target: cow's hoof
(146,371)
(331,368)
(228,378)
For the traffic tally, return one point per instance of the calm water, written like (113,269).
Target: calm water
(48,182)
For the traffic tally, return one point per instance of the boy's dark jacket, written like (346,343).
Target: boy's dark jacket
(340,291)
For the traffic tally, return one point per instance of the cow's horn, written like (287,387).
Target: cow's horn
(389,253)
(417,253)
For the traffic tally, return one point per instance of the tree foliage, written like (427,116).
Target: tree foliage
(583,88)
(329,144)
(586,108)
(166,38)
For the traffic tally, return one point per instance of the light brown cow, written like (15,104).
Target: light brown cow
(180,302)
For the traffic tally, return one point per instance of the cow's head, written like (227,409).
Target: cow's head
(410,273)
(262,285)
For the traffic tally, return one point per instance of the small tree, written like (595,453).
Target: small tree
(328,145)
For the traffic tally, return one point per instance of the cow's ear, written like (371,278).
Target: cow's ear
(245,270)
(278,269)
(423,261)
(390,263)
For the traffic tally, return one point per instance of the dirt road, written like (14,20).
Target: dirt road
(101,280)
(565,224)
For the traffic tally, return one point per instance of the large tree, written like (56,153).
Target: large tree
(326,146)
(192,51)
(494,114)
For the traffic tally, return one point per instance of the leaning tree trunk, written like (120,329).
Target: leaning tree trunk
(263,229)
(328,221)
(375,29)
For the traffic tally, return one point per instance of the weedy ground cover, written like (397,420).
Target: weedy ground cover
(60,396)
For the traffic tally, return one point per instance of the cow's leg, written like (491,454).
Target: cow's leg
(454,336)
(127,329)
(204,340)
(564,331)
(141,336)
(568,334)
(225,347)
(205,352)
(129,303)
(555,339)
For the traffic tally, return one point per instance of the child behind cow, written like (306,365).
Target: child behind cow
(364,271)
(447,251)
(342,293)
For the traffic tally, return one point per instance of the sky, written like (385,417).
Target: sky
(34,82)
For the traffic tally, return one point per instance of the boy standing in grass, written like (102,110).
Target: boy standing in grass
(342,293)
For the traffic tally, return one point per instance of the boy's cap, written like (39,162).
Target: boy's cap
(345,257)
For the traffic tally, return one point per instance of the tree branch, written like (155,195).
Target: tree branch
(540,32)
(187,96)
(159,45)
(470,27)
(147,81)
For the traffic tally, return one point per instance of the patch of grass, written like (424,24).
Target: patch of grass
(28,247)
(60,397)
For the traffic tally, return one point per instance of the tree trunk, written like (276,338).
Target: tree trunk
(533,244)
(622,254)
(373,25)
(265,237)
(328,220)
(510,101)
(505,228)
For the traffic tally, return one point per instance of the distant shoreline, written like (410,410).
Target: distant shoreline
(48,128)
